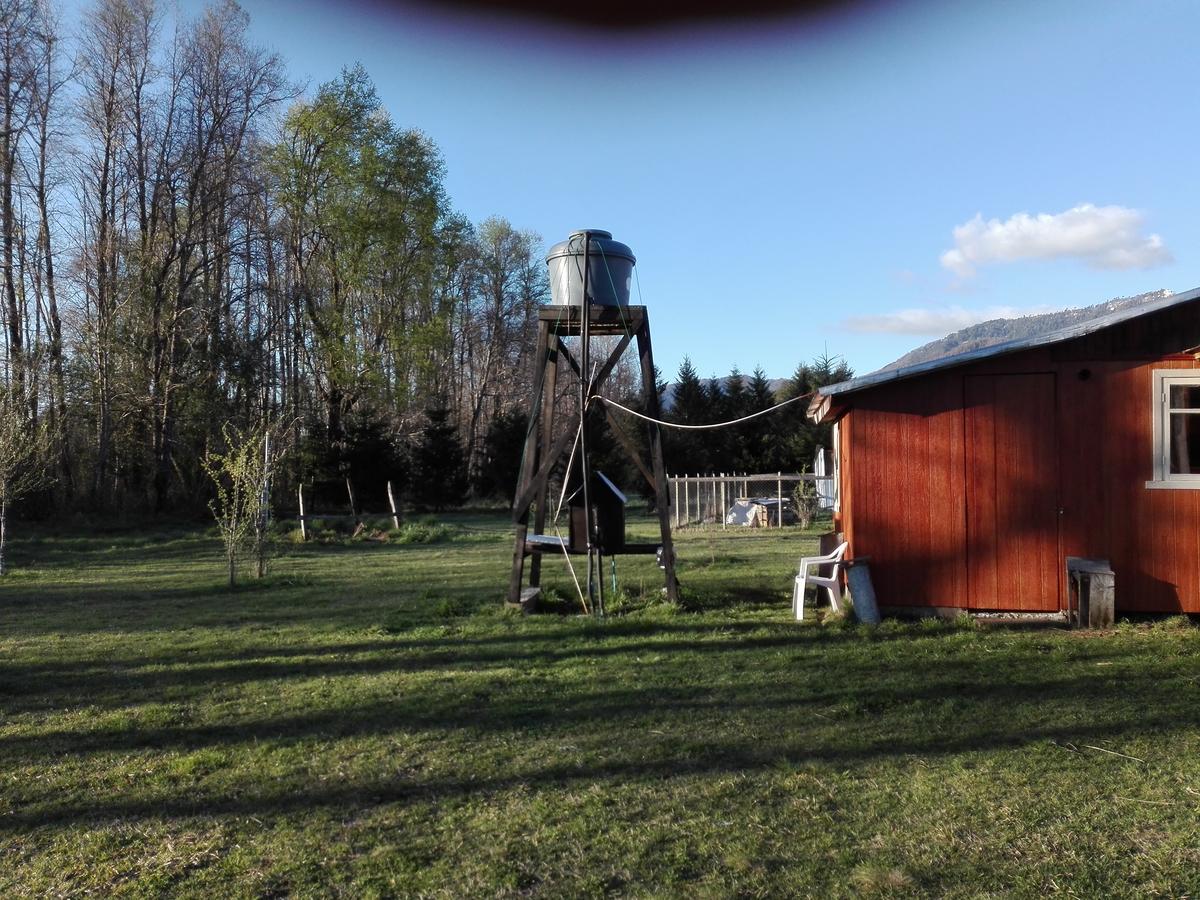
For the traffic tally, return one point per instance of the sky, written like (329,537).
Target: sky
(853,184)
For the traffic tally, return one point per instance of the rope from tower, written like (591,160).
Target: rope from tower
(762,412)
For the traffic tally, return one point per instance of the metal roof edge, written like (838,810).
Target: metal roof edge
(886,376)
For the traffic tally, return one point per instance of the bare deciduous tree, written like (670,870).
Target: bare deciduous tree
(17,74)
(23,459)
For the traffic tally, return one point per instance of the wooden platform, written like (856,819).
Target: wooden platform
(567,321)
(548,543)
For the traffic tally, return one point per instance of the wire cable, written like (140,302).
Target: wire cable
(755,415)
(563,495)
(571,569)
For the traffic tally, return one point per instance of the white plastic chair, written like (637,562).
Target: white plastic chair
(805,577)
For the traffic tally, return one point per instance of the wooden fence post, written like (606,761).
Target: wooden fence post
(353,501)
(392,504)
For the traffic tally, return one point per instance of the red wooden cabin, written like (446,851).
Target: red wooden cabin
(968,480)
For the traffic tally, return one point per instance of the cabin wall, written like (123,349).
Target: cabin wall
(1151,535)
(905,485)
(903,493)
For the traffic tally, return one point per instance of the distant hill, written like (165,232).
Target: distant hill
(998,331)
(668,400)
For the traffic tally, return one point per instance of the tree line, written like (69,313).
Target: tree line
(781,441)
(189,241)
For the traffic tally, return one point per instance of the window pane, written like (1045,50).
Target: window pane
(1185,396)
(1185,444)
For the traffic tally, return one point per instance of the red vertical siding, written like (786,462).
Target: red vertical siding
(921,449)
(983,564)
(1153,532)
(1012,493)
(1083,492)
(943,461)
(907,499)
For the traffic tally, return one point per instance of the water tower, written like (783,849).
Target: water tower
(590,277)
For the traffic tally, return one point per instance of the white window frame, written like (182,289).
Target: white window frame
(837,468)
(1162,380)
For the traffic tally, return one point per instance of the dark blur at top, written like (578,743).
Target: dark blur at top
(615,16)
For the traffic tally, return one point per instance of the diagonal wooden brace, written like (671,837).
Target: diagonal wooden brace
(521,506)
(627,443)
(606,369)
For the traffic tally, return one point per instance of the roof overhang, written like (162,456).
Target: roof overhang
(821,408)
(832,400)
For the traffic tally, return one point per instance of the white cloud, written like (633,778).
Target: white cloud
(935,321)
(1104,237)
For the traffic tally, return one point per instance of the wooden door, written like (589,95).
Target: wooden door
(1013,557)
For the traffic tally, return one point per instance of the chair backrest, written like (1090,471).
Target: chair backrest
(831,571)
(829,559)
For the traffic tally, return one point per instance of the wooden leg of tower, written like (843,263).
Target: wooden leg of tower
(549,385)
(521,523)
(662,501)
(529,465)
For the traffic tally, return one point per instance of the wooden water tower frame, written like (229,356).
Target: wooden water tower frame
(543,450)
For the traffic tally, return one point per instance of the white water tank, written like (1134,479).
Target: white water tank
(610,263)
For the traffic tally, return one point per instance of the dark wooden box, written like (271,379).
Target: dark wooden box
(608,507)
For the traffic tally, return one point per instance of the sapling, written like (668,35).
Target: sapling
(241,475)
(807,501)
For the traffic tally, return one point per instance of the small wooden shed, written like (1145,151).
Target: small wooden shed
(968,480)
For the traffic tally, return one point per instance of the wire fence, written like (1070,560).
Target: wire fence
(743,499)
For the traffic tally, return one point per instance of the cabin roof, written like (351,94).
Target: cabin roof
(616,491)
(820,405)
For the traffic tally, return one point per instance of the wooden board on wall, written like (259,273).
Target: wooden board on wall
(905,479)
(1012,493)
(1154,534)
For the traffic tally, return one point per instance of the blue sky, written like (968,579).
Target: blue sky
(792,188)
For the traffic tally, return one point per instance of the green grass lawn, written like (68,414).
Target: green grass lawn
(370,721)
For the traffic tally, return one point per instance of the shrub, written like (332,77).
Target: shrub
(420,532)
(453,608)
(807,502)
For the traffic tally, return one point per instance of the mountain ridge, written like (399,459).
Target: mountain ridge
(1000,331)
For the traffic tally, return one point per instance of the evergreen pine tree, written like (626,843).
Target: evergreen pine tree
(503,445)
(718,442)
(372,456)
(639,434)
(737,404)
(762,436)
(686,453)
(690,401)
(439,477)
(803,436)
